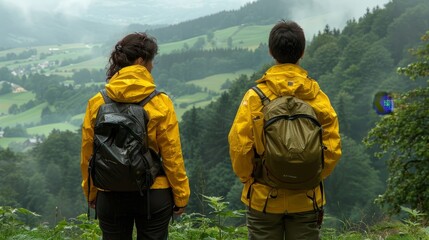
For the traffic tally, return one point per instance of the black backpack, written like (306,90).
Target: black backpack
(122,160)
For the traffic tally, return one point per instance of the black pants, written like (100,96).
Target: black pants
(119,211)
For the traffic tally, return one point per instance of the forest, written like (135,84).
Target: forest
(384,167)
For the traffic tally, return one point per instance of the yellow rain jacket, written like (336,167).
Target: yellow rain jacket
(245,137)
(133,84)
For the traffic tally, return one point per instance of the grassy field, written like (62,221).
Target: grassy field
(78,117)
(180,111)
(31,116)
(215,82)
(95,63)
(50,48)
(39,130)
(46,129)
(242,37)
(53,53)
(6,100)
(193,98)
(5,142)
(212,83)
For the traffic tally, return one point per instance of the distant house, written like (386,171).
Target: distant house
(1,134)
(15,87)
(31,142)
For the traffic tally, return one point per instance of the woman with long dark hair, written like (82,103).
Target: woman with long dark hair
(129,80)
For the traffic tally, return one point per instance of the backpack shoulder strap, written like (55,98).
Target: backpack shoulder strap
(264,99)
(106,98)
(148,98)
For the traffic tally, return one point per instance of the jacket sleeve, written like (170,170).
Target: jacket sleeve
(86,152)
(331,135)
(241,140)
(170,148)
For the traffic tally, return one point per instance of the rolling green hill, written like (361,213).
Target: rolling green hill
(47,128)
(243,36)
(50,58)
(31,116)
(6,100)
(214,82)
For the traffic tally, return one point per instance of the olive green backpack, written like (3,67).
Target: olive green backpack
(293,157)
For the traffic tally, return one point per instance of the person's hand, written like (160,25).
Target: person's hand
(91,204)
(178,210)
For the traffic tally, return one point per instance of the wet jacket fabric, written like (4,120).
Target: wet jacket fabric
(133,84)
(245,138)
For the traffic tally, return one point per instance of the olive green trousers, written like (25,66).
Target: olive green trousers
(292,226)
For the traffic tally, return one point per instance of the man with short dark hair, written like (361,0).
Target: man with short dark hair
(280,213)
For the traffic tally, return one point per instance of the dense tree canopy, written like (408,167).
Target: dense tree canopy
(403,138)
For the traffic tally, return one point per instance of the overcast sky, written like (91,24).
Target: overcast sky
(335,13)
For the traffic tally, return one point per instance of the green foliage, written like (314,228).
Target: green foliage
(5,88)
(192,226)
(405,31)
(323,54)
(14,225)
(78,228)
(13,183)
(13,109)
(415,217)
(6,75)
(198,226)
(46,180)
(382,229)
(355,172)
(221,215)
(403,138)
(83,76)
(17,131)
(421,67)
(13,219)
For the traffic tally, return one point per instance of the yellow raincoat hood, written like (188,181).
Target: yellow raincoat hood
(130,84)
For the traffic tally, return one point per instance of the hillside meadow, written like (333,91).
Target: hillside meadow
(84,56)
(6,100)
(244,36)
(29,117)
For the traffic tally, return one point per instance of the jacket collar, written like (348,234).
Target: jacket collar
(291,80)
